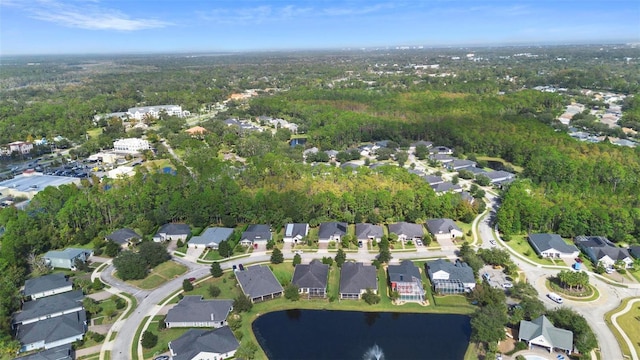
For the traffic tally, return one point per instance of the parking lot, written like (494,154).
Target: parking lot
(497,278)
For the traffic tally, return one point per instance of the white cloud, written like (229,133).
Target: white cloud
(86,14)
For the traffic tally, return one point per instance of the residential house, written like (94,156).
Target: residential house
(199,344)
(427,144)
(466,196)
(552,246)
(332,154)
(350,165)
(310,151)
(475,170)
(407,231)
(259,283)
(196,131)
(450,278)
(442,158)
(311,279)
(53,332)
(600,249)
(172,231)
(19,147)
(369,232)
(66,259)
(500,177)
(256,234)
(634,251)
(459,164)
(124,237)
(356,279)
(541,332)
(444,229)
(48,307)
(210,238)
(47,285)
(415,172)
(446,187)
(293,233)
(64,352)
(441,150)
(405,279)
(193,311)
(332,231)
(433,180)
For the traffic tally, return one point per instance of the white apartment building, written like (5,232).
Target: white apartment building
(17,146)
(131,145)
(154,111)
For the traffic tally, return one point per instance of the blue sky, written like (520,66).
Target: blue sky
(140,26)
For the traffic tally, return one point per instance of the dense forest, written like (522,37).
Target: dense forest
(339,101)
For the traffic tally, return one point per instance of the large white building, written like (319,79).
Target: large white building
(154,111)
(131,145)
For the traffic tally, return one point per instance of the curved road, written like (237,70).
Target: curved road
(610,296)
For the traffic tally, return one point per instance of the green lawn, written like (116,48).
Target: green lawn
(227,284)
(629,323)
(106,305)
(94,133)
(212,255)
(164,337)
(521,245)
(159,275)
(489,158)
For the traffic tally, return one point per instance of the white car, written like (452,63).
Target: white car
(492,242)
(419,242)
(299,252)
(609,270)
(507,285)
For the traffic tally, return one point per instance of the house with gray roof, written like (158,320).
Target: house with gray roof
(475,170)
(552,246)
(193,311)
(541,332)
(293,233)
(427,144)
(499,176)
(405,279)
(66,259)
(356,279)
(47,285)
(258,283)
(460,164)
(256,234)
(350,165)
(446,187)
(369,232)
(53,332)
(407,231)
(48,307)
(64,352)
(450,278)
(635,251)
(332,231)
(441,150)
(600,249)
(218,343)
(444,229)
(311,279)
(466,196)
(442,158)
(172,231)
(124,237)
(433,179)
(210,238)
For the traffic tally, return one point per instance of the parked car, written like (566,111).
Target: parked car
(419,242)
(359,244)
(609,270)
(299,252)
(241,267)
(235,267)
(578,260)
(192,279)
(163,357)
(507,285)
(486,276)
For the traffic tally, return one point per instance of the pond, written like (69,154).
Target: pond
(297,141)
(317,334)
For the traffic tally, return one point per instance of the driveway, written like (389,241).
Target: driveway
(195,253)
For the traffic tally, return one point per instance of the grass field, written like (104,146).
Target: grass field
(629,323)
(159,275)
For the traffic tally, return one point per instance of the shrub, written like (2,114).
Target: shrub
(214,291)
(149,340)
(97,337)
(187,285)
(162,324)
(120,303)
(370,297)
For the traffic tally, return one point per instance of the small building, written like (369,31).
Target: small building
(210,238)
(256,234)
(460,164)
(446,187)
(66,259)
(441,150)
(293,233)
(541,332)
(407,231)
(193,311)
(48,307)
(259,283)
(498,177)
(53,332)
(433,180)
(369,232)
(311,279)
(196,131)
(47,285)
(356,279)
(444,229)
(552,246)
(332,231)
(442,158)
(124,237)
(450,278)
(198,344)
(172,231)
(405,279)
(600,249)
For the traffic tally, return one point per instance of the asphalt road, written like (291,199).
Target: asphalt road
(593,311)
